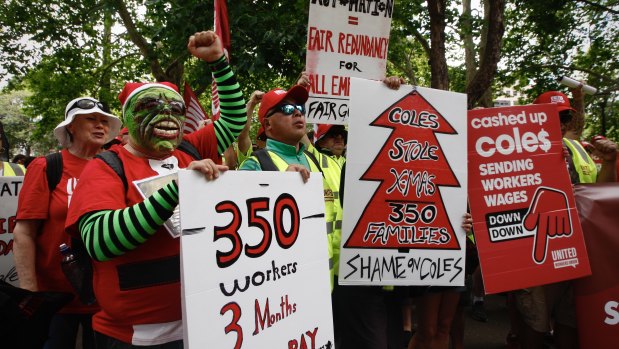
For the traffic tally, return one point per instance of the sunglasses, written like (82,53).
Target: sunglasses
(86,104)
(287,109)
(176,107)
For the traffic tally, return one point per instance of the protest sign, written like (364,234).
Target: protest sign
(405,188)
(9,192)
(148,186)
(525,221)
(254,261)
(597,296)
(344,39)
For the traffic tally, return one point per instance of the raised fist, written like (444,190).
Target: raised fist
(549,214)
(605,149)
(206,46)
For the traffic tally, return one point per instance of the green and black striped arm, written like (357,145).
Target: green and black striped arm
(111,233)
(231,105)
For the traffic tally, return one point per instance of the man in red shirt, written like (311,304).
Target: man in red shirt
(136,261)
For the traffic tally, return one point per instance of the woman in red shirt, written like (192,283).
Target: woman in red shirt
(41,215)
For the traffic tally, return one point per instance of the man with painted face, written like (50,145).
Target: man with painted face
(136,262)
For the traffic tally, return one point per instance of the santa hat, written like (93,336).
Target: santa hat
(133,88)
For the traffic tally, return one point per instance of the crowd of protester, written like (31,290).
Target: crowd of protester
(136,263)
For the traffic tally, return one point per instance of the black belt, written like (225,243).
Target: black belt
(149,273)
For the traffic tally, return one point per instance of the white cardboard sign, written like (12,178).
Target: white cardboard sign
(406,185)
(254,261)
(9,192)
(344,39)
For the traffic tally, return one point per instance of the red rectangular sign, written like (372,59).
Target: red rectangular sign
(526,226)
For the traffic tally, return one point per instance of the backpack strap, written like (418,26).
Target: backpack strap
(266,163)
(53,171)
(113,161)
(189,149)
(312,157)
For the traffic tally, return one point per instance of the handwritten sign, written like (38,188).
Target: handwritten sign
(405,188)
(525,221)
(255,271)
(9,192)
(344,39)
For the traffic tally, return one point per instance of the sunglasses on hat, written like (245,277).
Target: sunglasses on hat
(86,104)
(287,109)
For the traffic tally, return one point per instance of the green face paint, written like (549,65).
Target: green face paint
(154,118)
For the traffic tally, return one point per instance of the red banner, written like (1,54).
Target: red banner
(597,296)
(525,221)
(222,29)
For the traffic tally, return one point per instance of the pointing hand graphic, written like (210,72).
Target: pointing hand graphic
(549,213)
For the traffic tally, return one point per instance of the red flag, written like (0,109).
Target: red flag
(195,114)
(222,29)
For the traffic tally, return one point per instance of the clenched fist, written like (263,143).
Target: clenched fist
(206,46)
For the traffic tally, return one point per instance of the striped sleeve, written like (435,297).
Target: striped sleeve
(231,105)
(111,233)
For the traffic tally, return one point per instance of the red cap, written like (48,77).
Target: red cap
(122,132)
(556,97)
(272,98)
(323,129)
(132,88)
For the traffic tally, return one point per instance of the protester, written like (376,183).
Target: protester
(245,146)
(576,125)
(19,159)
(123,136)
(538,306)
(41,214)
(331,140)
(136,261)
(4,145)
(282,115)
(8,168)
(478,311)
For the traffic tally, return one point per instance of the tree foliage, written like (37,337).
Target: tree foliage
(63,49)
(577,39)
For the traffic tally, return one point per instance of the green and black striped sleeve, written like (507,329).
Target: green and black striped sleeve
(231,105)
(111,233)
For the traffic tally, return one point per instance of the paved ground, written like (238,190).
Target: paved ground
(491,334)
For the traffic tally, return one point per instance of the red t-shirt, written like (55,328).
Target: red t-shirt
(35,202)
(129,314)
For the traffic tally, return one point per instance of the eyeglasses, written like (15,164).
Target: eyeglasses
(287,109)
(176,107)
(86,104)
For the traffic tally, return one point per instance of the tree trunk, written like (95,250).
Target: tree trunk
(145,48)
(470,61)
(491,54)
(438,62)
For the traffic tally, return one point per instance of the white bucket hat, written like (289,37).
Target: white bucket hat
(73,109)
